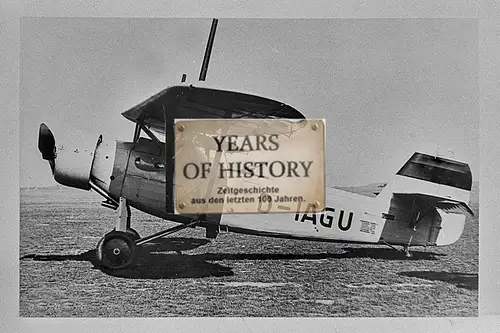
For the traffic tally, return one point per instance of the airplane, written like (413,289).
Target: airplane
(424,205)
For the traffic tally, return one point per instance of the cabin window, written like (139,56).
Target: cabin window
(145,133)
(147,141)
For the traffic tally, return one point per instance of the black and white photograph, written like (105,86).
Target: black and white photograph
(99,233)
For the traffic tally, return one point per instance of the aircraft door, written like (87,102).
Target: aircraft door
(144,184)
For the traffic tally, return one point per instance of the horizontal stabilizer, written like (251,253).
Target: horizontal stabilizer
(456,207)
(446,205)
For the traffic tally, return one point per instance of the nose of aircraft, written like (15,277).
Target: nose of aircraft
(77,159)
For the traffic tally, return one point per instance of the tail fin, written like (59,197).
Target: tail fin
(427,201)
(433,176)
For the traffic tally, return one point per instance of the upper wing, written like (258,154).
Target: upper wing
(189,102)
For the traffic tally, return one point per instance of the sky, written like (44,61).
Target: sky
(386,87)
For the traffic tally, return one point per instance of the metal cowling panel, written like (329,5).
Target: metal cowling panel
(119,169)
(73,165)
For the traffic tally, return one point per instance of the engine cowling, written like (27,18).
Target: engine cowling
(72,159)
(73,164)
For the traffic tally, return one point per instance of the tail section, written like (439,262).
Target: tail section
(435,176)
(427,201)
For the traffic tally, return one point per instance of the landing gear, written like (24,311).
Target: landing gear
(134,234)
(212,232)
(116,250)
(407,251)
(406,248)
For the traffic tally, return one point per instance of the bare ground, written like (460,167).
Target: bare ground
(234,275)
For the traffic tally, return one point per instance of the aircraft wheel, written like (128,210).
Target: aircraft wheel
(135,235)
(132,233)
(116,250)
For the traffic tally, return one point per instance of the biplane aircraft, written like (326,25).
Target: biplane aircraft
(424,205)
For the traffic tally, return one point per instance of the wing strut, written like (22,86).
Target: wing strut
(170,130)
(208,50)
(169,160)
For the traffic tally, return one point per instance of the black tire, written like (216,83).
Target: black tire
(116,250)
(134,234)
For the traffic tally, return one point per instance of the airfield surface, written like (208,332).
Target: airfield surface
(234,275)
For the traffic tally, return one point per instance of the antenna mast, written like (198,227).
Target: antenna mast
(208,50)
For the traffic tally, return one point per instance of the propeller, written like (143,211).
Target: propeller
(47,144)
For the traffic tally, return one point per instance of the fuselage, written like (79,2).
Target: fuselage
(136,172)
(348,217)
